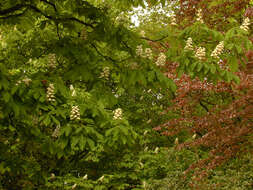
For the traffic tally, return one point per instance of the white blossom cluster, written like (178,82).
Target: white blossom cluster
(56,132)
(73,91)
(148,53)
(85,177)
(52,176)
(245,24)
(142,33)
(161,60)
(141,165)
(74,186)
(83,34)
(101,178)
(139,50)
(176,141)
(188,45)
(200,53)
(218,50)
(27,80)
(144,54)
(144,184)
(117,114)
(24,80)
(50,93)
(156,150)
(173,20)
(52,60)
(18,82)
(75,113)
(105,73)
(200,16)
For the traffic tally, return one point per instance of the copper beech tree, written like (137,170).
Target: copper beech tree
(225,128)
(219,14)
(218,114)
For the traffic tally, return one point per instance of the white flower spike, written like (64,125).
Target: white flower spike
(188,46)
(161,60)
(200,53)
(245,24)
(75,113)
(218,50)
(51,93)
(117,114)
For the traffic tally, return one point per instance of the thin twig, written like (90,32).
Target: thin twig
(50,3)
(157,40)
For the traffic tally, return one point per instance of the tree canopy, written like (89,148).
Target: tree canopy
(90,101)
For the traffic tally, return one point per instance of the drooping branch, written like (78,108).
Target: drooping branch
(5,13)
(157,40)
(50,3)
(104,56)
(12,9)
(108,57)
(13,15)
(204,106)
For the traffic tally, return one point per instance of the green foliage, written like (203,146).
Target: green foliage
(63,43)
(53,56)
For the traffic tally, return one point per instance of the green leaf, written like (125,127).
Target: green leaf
(63,142)
(239,49)
(55,120)
(199,67)
(47,120)
(6,96)
(151,76)
(193,65)
(67,130)
(173,86)
(74,141)
(213,69)
(82,142)
(236,79)
(233,63)
(91,143)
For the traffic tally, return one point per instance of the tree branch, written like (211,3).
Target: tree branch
(157,40)
(50,3)
(201,103)
(34,8)
(12,9)
(145,38)
(14,15)
(203,100)
(104,56)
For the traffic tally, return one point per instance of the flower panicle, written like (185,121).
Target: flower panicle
(218,50)
(117,114)
(188,46)
(105,73)
(51,93)
(161,60)
(200,53)
(75,113)
(200,16)
(245,24)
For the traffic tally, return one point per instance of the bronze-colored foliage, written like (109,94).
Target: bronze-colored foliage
(215,13)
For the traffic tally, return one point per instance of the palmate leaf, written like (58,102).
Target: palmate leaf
(233,63)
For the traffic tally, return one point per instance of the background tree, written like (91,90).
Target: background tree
(81,90)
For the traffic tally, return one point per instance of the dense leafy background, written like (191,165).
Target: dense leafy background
(68,44)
